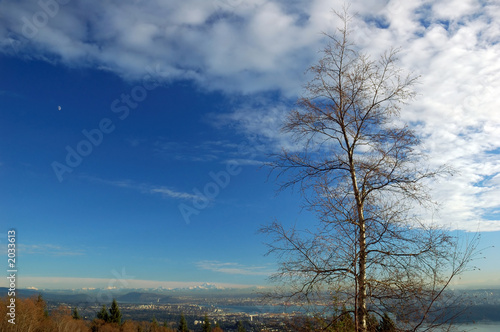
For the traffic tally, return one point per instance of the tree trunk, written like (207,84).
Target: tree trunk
(361,310)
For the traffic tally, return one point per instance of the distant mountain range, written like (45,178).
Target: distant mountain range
(132,295)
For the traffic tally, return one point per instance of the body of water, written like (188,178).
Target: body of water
(480,327)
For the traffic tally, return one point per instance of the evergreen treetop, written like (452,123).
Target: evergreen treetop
(103,314)
(183,324)
(115,316)
(75,314)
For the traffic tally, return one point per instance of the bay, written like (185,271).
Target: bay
(480,327)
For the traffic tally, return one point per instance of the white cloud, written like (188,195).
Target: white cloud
(240,46)
(460,8)
(459,111)
(233,268)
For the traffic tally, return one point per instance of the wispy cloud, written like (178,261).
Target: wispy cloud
(233,268)
(246,162)
(144,188)
(8,93)
(185,151)
(170,193)
(260,123)
(211,151)
(135,142)
(48,250)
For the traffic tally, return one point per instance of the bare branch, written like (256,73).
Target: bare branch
(360,172)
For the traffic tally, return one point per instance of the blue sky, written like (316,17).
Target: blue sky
(170,102)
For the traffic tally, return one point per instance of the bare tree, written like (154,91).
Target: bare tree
(362,172)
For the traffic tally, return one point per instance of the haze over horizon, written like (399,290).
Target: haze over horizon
(134,133)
